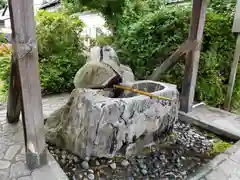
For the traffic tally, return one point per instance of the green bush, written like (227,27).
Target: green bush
(61,52)
(147,42)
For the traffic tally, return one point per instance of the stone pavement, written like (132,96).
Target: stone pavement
(225,166)
(12,151)
(215,120)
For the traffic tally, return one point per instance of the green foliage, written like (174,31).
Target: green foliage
(104,40)
(226,6)
(3,3)
(151,39)
(146,42)
(4,72)
(110,9)
(73,6)
(61,52)
(219,147)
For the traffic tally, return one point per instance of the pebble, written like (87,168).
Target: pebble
(113,165)
(125,163)
(91,171)
(91,176)
(142,166)
(85,165)
(97,163)
(144,171)
(87,158)
(156,165)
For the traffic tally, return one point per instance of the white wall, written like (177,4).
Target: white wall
(92,21)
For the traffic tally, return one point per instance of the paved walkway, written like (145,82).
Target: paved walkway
(12,151)
(225,166)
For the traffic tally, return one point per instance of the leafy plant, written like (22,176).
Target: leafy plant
(226,6)
(145,42)
(219,147)
(61,52)
(3,3)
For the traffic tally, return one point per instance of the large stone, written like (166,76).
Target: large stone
(92,124)
(126,73)
(102,66)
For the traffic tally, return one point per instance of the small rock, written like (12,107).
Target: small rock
(63,156)
(97,163)
(90,171)
(80,176)
(142,166)
(124,163)
(85,179)
(144,171)
(87,158)
(85,165)
(91,176)
(113,165)
(110,161)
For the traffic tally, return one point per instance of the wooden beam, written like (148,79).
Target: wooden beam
(231,82)
(25,46)
(172,60)
(192,59)
(14,94)
(234,67)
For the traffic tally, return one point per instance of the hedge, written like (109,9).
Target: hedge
(61,52)
(144,44)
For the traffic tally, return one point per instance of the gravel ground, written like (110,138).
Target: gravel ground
(175,157)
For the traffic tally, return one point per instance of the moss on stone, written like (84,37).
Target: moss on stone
(146,150)
(219,147)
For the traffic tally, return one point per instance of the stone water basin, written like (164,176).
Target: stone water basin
(92,124)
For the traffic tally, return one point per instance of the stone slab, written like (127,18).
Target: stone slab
(4,164)
(12,151)
(225,166)
(215,120)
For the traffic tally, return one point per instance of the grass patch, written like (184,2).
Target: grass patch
(219,147)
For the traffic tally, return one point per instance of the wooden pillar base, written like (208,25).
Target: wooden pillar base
(35,160)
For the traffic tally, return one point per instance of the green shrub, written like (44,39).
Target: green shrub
(4,72)
(146,43)
(60,52)
(226,6)
(104,40)
(152,37)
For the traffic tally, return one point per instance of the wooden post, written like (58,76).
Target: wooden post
(14,93)
(231,82)
(25,48)
(192,59)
